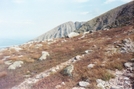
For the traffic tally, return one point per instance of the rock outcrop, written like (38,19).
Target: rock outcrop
(120,16)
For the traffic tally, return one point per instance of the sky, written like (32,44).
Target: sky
(23,20)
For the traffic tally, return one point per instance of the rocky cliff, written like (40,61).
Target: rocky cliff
(120,16)
(60,31)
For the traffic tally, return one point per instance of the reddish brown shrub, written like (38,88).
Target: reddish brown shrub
(3,74)
(1,61)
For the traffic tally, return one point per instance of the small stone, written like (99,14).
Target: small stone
(100,81)
(78,88)
(78,57)
(83,84)
(132,59)
(116,87)
(126,78)
(63,83)
(27,76)
(128,64)
(101,86)
(58,86)
(88,51)
(8,62)
(90,65)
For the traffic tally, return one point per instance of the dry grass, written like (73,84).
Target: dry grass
(62,51)
(3,74)
(1,61)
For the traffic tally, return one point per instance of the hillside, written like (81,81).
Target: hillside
(120,16)
(60,31)
(103,59)
(99,56)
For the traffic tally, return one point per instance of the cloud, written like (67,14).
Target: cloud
(80,1)
(84,13)
(18,1)
(126,0)
(109,1)
(2,21)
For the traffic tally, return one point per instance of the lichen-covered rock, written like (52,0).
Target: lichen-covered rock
(15,65)
(44,56)
(67,71)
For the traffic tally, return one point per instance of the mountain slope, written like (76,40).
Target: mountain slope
(60,31)
(120,16)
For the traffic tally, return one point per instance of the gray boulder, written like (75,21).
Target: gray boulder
(15,65)
(83,84)
(73,34)
(128,64)
(44,56)
(67,71)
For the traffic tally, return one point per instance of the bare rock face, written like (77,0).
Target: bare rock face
(60,31)
(120,16)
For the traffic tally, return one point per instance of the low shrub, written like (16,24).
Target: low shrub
(3,74)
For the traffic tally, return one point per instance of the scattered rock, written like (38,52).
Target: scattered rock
(27,76)
(44,55)
(8,62)
(83,84)
(17,48)
(78,57)
(128,64)
(68,70)
(101,86)
(91,65)
(58,86)
(72,34)
(127,45)
(117,87)
(88,51)
(132,59)
(15,65)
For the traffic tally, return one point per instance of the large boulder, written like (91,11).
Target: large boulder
(67,71)
(73,34)
(15,65)
(44,56)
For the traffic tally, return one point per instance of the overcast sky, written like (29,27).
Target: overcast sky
(27,19)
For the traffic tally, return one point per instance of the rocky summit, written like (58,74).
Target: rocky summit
(120,16)
(102,59)
(60,31)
